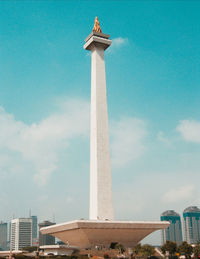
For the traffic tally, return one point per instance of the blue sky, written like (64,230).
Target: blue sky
(153,89)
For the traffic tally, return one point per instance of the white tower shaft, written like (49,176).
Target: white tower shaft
(101,204)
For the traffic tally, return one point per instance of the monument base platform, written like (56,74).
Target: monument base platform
(91,233)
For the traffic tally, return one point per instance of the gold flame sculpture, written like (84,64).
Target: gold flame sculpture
(96,27)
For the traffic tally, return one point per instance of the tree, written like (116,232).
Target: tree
(196,251)
(170,247)
(147,250)
(185,249)
(120,247)
(137,249)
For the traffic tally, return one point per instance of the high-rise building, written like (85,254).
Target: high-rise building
(3,235)
(9,234)
(46,239)
(34,231)
(21,233)
(191,218)
(34,227)
(174,231)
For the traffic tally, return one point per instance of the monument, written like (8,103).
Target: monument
(101,204)
(101,229)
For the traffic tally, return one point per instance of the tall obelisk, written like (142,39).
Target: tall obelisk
(98,231)
(101,203)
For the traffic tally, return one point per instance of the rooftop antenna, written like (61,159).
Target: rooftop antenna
(29,213)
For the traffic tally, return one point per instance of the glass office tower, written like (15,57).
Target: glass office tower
(191,218)
(174,231)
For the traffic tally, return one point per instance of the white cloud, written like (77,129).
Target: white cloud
(117,43)
(179,194)
(189,130)
(39,143)
(36,148)
(127,136)
(162,138)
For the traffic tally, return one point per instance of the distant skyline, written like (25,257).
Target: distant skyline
(153,84)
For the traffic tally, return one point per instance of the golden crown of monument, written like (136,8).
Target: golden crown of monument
(96,27)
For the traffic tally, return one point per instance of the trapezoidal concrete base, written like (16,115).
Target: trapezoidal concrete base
(91,233)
